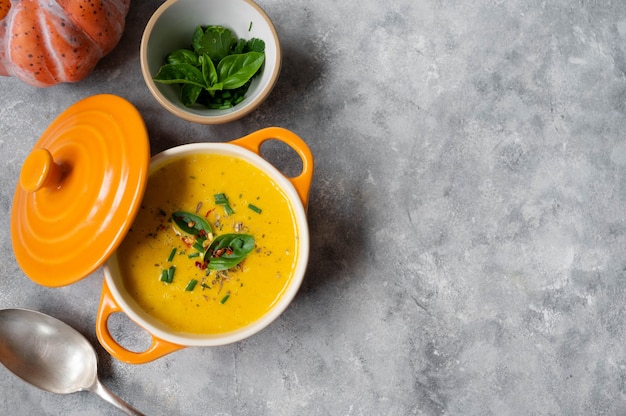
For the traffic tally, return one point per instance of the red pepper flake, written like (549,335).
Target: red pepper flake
(221,251)
(201,265)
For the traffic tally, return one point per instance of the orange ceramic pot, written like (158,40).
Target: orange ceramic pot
(115,297)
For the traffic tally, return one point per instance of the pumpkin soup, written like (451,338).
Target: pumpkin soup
(213,246)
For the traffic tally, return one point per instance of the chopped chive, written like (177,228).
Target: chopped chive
(198,245)
(192,283)
(167,275)
(172,254)
(254,208)
(220,199)
(205,286)
(192,255)
(225,298)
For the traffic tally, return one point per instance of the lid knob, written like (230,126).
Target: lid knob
(40,171)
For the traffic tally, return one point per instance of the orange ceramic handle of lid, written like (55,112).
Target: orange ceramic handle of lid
(302,182)
(39,171)
(108,306)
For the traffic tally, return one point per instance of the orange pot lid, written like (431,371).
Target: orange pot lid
(79,190)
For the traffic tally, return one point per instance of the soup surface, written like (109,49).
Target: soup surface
(219,300)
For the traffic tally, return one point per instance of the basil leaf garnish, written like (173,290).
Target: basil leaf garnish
(228,250)
(192,224)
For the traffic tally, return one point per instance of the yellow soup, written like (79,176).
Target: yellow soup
(220,301)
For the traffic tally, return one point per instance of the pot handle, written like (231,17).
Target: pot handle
(108,306)
(302,182)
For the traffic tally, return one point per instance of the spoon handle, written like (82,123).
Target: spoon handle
(107,395)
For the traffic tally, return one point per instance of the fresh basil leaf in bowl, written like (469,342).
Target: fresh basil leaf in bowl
(180,74)
(216,41)
(183,56)
(217,72)
(235,70)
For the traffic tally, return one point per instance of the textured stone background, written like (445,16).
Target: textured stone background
(467,217)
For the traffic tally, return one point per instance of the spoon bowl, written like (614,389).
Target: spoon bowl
(51,355)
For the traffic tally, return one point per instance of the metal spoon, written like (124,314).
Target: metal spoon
(51,355)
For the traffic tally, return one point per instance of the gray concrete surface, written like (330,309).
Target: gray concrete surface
(468,252)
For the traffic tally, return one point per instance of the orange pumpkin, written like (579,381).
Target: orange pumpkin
(46,42)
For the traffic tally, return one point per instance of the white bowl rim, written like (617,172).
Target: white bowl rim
(151,325)
(238,111)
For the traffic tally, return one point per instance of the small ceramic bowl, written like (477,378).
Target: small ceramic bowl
(116,298)
(171,27)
